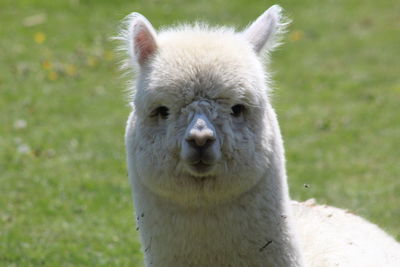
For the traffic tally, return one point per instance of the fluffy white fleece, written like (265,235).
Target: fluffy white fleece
(206,159)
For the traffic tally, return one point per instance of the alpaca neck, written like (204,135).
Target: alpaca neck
(253,230)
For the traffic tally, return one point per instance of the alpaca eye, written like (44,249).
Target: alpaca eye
(161,112)
(237,110)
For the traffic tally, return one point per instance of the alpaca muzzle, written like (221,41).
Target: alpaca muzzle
(200,147)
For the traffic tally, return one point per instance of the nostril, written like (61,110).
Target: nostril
(200,143)
(200,140)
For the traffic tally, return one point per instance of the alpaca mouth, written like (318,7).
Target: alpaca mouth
(200,168)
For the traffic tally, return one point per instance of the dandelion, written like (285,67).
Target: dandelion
(47,65)
(52,76)
(396,89)
(39,37)
(91,61)
(296,36)
(70,69)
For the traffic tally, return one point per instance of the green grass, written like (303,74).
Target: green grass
(64,194)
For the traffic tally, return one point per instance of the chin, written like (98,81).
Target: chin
(197,186)
(201,170)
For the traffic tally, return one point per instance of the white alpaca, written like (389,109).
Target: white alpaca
(206,159)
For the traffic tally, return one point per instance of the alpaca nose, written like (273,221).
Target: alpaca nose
(201,133)
(200,138)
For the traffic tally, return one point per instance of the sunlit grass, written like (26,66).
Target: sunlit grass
(64,194)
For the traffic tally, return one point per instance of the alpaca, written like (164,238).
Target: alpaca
(206,160)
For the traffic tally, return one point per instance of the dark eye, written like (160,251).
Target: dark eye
(161,112)
(237,110)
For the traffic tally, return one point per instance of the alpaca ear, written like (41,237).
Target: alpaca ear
(141,39)
(264,32)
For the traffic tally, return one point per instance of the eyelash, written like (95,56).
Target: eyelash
(237,110)
(161,112)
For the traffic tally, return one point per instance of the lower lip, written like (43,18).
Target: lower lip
(201,167)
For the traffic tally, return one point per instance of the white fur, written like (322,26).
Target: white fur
(237,212)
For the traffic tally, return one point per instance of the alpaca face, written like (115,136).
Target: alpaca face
(199,139)
(199,132)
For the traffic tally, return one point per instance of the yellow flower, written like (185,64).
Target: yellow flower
(52,76)
(70,69)
(47,65)
(91,61)
(396,89)
(296,36)
(39,37)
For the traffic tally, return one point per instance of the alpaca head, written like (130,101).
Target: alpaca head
(199,131)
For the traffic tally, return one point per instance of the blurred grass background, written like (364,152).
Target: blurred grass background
(64,194)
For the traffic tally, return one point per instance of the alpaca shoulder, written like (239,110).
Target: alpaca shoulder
(331,236)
